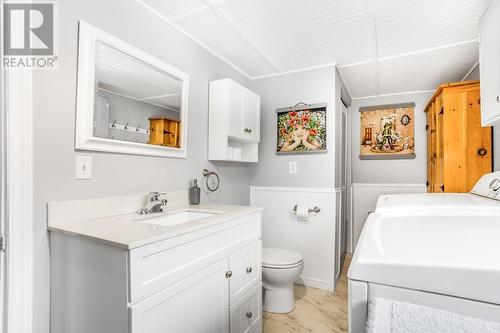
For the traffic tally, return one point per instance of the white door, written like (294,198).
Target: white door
(2,203)
(197,304)
(343,183)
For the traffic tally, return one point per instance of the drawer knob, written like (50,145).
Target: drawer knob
(249,314)
(249,270)
(229,274)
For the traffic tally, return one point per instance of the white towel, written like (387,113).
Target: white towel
(386,316)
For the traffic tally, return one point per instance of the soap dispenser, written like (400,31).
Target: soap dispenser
(194,193)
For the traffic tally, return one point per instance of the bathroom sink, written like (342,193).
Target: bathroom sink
(176,217)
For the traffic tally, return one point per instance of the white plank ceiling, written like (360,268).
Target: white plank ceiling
(380,46)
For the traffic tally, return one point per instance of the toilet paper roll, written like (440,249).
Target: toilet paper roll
(302,211)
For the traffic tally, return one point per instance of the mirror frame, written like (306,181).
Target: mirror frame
(84,128)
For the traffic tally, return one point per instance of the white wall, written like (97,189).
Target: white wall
(313,238)
(392,171)
(314,86)
(316,174)
(365,195)
(371,178)
(116,174)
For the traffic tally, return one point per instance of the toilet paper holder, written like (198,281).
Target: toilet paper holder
(315,209)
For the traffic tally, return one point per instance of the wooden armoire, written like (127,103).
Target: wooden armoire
(459,150)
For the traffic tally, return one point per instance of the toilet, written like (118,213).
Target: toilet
(280,269)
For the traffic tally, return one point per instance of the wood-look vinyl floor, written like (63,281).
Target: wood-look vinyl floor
(316,310)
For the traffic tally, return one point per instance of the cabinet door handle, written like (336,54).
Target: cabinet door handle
(482,152)
(498,98)
(229,274)
(247,130)
(249,315)
(249,270)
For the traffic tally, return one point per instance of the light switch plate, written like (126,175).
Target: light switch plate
(292,167)
(83,167)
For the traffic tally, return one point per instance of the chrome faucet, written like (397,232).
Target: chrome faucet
(155,203)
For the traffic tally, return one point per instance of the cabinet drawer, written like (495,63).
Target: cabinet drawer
(159,265)
(246,268)
(246,314)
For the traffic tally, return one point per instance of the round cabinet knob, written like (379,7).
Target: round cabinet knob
(495,184)
(482,152)
(249,270)
(249,314)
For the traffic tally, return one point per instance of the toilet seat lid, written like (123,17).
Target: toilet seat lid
(273,257)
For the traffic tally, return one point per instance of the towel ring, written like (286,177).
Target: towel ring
(208,174)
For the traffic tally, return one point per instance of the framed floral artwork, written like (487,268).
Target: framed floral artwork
(301,129)
(387,132)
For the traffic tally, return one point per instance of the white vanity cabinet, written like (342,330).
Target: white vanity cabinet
(234,122)
(489,62)
(205,281)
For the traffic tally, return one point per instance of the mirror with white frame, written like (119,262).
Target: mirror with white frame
(127,100)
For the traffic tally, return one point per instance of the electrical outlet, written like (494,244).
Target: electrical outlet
(83,167)
(292,167)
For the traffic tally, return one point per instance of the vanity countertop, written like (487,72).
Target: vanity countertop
(129,230)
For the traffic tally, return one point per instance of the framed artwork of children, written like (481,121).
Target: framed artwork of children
(301,129)
(387,132)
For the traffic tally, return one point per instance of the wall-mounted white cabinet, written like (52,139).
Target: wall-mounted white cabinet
(234,122)
(489,53)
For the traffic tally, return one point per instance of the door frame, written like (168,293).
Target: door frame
(17,200)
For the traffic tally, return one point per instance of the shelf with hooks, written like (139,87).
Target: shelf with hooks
(127,127)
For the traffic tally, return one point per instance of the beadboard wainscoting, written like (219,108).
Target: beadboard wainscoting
(364,200)
(314,238)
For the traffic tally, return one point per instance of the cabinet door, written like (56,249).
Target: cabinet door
(455,140)
(479,146)
(236,110)
(251,116)
(246,268)
(196,304)
(439,144)
(489,54)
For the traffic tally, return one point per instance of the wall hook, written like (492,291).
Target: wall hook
(301,103)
